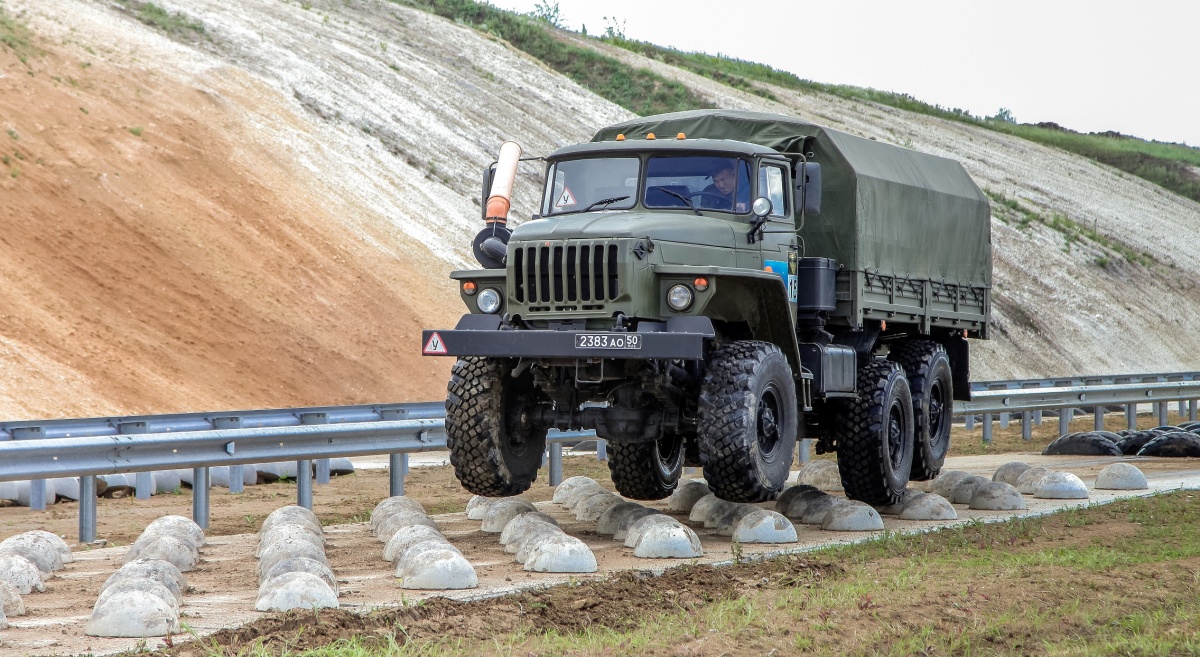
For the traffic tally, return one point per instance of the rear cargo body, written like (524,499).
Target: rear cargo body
(911,231)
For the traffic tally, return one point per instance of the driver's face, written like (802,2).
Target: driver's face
(724,181)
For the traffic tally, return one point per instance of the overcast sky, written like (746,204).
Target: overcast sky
(1091,66)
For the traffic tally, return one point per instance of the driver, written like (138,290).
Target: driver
(719,195)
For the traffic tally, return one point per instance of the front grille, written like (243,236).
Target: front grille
(564,273)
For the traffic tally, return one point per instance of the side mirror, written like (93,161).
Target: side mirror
(808,185)
(761,207)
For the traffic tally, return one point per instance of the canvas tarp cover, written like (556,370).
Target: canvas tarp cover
(884,208)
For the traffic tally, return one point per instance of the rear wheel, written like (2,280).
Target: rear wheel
(932,388)
(494,447)
(647,471)
(875,435)
(748,421)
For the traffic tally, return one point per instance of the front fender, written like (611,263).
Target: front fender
(757,298)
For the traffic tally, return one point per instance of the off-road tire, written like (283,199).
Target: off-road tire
(1174,443)
(931,384)
(1133,443)
(1084,443)
(875,435)
(646,471)
(491,454)
(748,420)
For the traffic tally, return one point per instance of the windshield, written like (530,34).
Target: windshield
(579,185)
(707,183)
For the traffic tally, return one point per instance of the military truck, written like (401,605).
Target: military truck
(704,289)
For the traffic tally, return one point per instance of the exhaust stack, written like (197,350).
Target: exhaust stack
(500,197)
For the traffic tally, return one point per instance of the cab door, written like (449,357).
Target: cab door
(778,242)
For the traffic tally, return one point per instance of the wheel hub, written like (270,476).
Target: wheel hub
(768,422)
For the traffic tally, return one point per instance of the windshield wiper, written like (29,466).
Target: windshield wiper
(605,201)
(680,197)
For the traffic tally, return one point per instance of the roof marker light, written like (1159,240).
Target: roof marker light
(681,136)
(651,136)
(621,137)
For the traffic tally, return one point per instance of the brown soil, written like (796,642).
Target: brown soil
(159,258)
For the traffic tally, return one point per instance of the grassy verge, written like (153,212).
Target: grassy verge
(1011,211)
(638,90)
(1120,579)
(15,36)
(176,24)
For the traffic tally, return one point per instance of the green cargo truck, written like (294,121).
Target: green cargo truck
(704,289)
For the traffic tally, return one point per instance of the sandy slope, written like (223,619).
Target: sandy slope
(305,178)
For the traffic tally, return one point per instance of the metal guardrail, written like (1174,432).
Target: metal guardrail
(85,448)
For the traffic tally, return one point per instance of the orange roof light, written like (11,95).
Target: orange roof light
(701,283)
(681,136)
(621,137)
(469,287)
(883,325)
(651,136)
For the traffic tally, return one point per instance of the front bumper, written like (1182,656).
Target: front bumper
(482,335)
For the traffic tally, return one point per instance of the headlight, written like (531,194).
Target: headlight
(679,297)
(489,301)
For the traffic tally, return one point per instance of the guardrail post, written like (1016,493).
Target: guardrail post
(601,449)
(397,469)
(969,421)
(37,495)
(1098,416)
(200,490)
(1026,426)
(1064,420)
(1162,413)
(1131,416)
(805,451)
(304,483)
(322,464)
(1004,420)
(987,428)
(236,479)
(87,508)
(143,481)
(1191,410)
(1182,407)
(556,463)
(37,487)
(1037,417)
(397,463)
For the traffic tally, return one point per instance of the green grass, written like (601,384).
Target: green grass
(639,90)
(177,24)
(15,36)
(1012,212)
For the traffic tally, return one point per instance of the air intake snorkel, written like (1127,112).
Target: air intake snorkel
(491,244)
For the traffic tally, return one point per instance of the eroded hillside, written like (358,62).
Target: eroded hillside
(264,214)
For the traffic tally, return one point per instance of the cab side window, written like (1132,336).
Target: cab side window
(770,185)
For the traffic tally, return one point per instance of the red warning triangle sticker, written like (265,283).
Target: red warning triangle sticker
(566,199)
(435,346)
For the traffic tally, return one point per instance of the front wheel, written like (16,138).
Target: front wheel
(875,435)
(494,447)
(647,471)
(748,421)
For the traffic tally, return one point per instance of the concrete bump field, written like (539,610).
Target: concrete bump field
(559,553)
(1121,476)
(997,496)
(295,590)
(501,512)
(852,517)
(763,526)
(1061,486)
(686,495)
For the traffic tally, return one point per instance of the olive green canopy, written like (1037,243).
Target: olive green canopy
(884,208)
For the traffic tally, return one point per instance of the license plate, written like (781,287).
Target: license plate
(608,341)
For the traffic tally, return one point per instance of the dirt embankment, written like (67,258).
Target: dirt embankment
(243,221)
(265,215)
